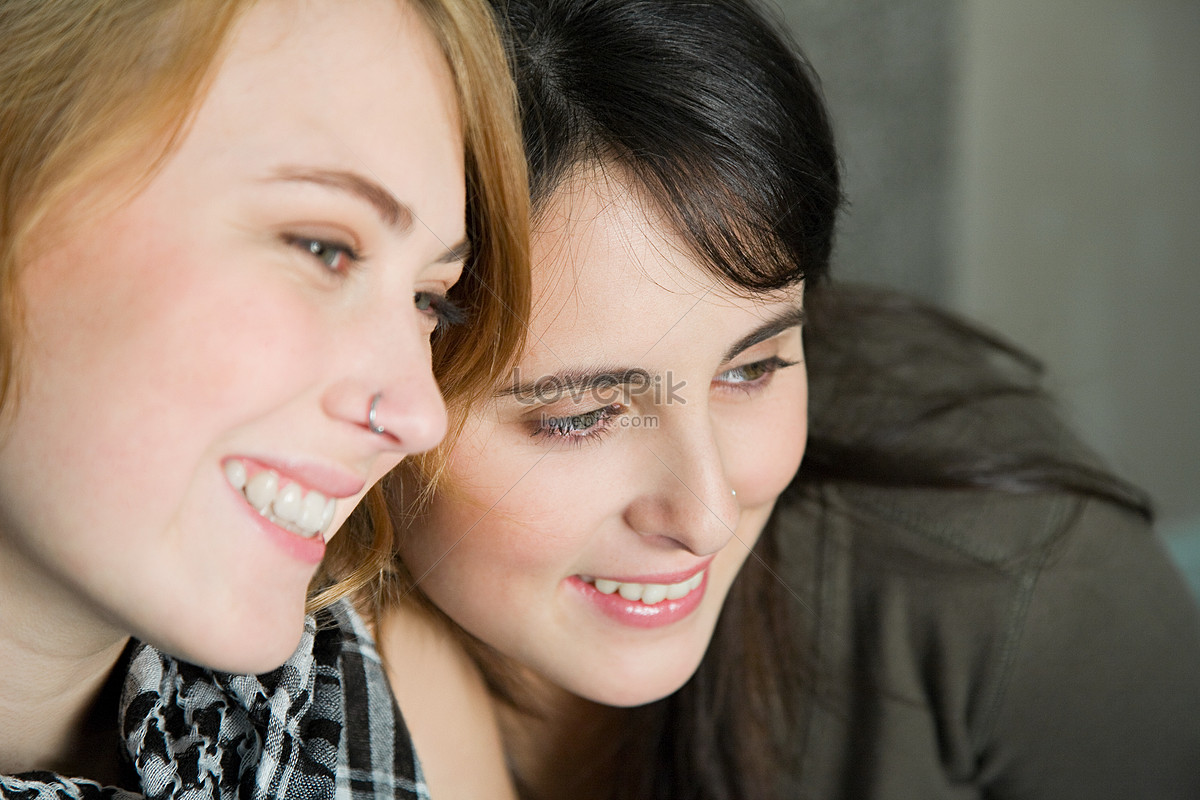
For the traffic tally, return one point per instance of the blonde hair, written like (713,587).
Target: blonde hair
(74,109)
(95,94)
(468,360)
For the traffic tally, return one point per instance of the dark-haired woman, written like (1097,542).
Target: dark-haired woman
(946,599)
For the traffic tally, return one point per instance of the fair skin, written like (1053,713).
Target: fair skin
(233,318)
(447,708)
(551,497)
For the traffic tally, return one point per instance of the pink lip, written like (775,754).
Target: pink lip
(663,577)
(310,551)
(329,481)
(637,614)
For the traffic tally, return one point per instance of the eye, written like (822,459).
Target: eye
(440,308)
(756,375)
(578,428)
(336,257)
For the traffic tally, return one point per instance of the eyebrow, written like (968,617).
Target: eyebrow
(792,317)
(581,381)
(460,251)
(577,382)
(396,214)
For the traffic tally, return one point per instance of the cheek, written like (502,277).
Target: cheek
(117,381)
(478,564)
(103,358)
(507,519)
(767,445)
(122,306)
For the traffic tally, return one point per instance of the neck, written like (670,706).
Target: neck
(58,696)
(563,747)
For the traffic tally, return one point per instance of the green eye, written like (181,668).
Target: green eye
(423,301)
(327,255)
(576,424)
(578,429)
(754,371)
(334,257)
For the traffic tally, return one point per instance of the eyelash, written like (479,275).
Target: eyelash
(766,370)
(438,306)
(320,249)
(589,426)
(441,308)
(571,429)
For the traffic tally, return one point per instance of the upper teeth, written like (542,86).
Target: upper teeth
(286,504)
(648,593)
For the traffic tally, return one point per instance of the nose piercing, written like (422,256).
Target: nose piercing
(372,425)
(734,491)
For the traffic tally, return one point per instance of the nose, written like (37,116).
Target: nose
(388,388)
(412,416)
(688,500)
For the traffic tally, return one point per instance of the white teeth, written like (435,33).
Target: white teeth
(678,590)
(286,504)
(327,517)
(261,489)
(313,511)
(654,593)
(631,591)
(235,473)
(306,513)
(648,593)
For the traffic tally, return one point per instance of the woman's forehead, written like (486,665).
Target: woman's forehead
(601,234)
(612,294)
(600,242)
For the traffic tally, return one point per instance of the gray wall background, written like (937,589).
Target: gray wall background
(1037,165)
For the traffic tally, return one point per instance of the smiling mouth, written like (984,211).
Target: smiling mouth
(307,513)
(648,593)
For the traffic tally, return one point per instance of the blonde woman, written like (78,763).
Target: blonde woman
(229,231)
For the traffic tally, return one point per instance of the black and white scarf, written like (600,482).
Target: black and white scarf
(322,726)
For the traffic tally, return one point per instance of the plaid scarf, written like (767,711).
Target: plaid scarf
(324,726)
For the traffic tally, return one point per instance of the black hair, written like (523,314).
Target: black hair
(704,104)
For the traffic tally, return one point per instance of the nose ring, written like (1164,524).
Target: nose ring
(372,425)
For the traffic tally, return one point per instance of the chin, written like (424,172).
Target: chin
(637,688)
(250,649)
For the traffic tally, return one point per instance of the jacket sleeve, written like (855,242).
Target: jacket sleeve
(1102,698)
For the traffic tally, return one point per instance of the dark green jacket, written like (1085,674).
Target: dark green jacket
(982,644)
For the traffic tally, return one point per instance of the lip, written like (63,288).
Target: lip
(310,551)
(663,577)
(329,481)
(637,614)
